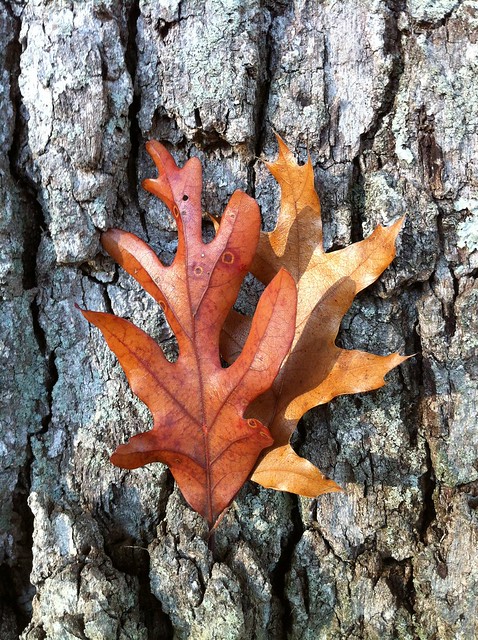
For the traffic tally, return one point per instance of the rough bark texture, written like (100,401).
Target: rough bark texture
(384,94)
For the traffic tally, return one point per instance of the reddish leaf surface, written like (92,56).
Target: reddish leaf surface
(199,430)
(315,370)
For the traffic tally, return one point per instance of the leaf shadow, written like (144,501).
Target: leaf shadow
(301,372)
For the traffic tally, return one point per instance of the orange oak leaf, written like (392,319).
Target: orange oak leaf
(315,370)
(199,429)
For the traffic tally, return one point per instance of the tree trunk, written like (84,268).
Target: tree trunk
(384,95)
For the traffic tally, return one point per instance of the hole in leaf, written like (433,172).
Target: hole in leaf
(185,197)
(227,257)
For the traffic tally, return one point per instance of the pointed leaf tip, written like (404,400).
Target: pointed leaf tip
(282,469)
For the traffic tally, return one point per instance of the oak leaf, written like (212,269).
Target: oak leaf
(316,369)
(197,405)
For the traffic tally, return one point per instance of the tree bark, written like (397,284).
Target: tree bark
(384,95)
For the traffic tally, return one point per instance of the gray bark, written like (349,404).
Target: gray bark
(384,94)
